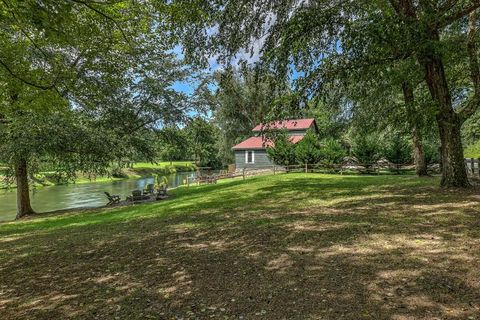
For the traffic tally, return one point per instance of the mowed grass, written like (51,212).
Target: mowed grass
(290,246)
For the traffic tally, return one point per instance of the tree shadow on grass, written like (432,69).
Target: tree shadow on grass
(356,251)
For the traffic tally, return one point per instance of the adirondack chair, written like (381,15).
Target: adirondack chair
(149,189)
(112,198)
(137,195)
(162,192)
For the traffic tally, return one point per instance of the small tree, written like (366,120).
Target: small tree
(161,181)
(202,138)
(366,148)
(397,149)
(173,144)
(66,142)
(283,153)
(332,152)
(308,150)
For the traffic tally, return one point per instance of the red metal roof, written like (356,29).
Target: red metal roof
(261,143)
(297,124)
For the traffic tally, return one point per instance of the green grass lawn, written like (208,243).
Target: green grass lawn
(290,246)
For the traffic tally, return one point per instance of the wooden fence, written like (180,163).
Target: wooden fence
(359,168)
(307,168)
(473,168)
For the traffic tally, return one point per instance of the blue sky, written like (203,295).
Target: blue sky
(184,87)
(188,87)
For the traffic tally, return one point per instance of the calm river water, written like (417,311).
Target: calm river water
(91,194)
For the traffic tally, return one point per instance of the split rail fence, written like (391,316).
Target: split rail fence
(471,164)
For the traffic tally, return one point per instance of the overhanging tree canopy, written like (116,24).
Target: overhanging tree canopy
(100,72)
(327,40)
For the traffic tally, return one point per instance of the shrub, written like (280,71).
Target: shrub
(397,149)
(367,148)
(432,152)
(308,150)
(185,167)
(160,180)
(283,153)
(332,152)
(118,172)
(169,169)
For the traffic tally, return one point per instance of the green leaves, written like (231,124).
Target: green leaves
(332,152)
(397,149)
(62,141)
(84,83)
(202,138)
(173,144)
(308,150)
(367,148)
(283,153)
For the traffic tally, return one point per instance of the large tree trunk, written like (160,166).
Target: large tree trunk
(419,154)
(454,173)
(23,195)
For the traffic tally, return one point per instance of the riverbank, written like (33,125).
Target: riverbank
(289,246)
(137,170)
(87,194)
(87,210)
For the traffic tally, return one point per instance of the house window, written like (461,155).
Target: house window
(249,156)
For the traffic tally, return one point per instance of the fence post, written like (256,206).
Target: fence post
(188,182)
(273,169)
(243,173)
(306,168)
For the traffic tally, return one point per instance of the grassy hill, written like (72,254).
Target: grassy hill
(290,246)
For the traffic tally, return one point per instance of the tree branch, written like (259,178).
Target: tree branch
(404,8)
(448,5)
(30,83)
(449,19)
(474,103)
(24,32)
(103,14)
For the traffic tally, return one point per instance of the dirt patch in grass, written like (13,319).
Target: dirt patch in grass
(285,247)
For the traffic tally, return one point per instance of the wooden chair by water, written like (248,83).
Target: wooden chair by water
(112,199)
(137,195)
(162,192)
(149,189)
